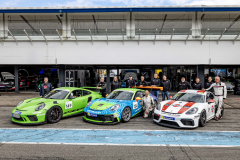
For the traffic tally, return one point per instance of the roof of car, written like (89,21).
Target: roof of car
(71,88)
(129,89)
(194,91)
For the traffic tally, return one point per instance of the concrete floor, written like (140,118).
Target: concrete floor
(230,122)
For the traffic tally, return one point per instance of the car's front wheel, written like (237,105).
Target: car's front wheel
(126,114)
(54,114)
(203,119)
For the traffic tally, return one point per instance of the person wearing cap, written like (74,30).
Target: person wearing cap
(142,83)
(155,83)
(130,82)
(183,85)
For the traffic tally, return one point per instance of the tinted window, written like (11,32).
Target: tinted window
(121,95)
(139,94)
(85,93)
(76,93)
(189,97)
(56,94)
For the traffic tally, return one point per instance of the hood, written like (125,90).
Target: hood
(103,104)
(179,107)
(31,104)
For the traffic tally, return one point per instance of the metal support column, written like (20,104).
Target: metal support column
(200,73)
(153,72)
(61,75)
(3,26)
(108,79)
(16,79)
(66,25)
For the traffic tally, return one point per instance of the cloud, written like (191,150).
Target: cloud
(9,3)
(81,3)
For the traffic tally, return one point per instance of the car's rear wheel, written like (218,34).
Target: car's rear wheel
(54,114)
(202,119)
(126,114)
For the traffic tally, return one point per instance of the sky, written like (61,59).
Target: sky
(58,3)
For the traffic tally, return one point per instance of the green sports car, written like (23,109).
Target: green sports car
(60,102)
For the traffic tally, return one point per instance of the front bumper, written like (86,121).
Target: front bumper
(176,120)
(101,119)
(30,119)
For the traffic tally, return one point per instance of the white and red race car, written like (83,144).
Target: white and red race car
(186,109)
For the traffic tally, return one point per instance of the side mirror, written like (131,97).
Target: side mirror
(170,97)
(138,99)
(211,101)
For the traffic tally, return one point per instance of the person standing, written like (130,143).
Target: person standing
(183,85)
(102,85)
(130,82)
(220,92)
(45,87)
(115,84)
(147,104)
(155,83)
(142,83)
(197,85)
(166,84)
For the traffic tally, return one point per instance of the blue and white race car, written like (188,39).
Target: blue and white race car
(120,105)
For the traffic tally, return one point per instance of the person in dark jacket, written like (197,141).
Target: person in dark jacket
(45,87)
(209,83)
(183,85)
(130,82)
(115,84)
(155,83)
(142,83)
(102,85)
(166,84)
(197,85)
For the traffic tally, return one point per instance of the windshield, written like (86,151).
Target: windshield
(56,94)
(189,97)
(121,95)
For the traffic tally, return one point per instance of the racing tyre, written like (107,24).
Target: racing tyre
(54,114)
(126,114)
(202,119)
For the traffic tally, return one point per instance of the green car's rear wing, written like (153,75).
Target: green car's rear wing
(94,89)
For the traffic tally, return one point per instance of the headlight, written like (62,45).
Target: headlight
(20,103)
(40,107)
(114,108)
(89,103)
(158,107)
(192,111)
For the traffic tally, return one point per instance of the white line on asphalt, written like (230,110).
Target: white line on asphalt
(119,144)
(119,130)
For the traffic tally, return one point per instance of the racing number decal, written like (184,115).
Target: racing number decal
(68,105)
(135,105)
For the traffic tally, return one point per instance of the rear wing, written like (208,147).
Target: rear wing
(94,89)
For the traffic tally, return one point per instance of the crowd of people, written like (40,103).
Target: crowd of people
(218,88)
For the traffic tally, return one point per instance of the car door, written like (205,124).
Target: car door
(137,107)
(210,106)
(73,105)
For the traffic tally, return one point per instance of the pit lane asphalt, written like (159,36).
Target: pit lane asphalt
(230,122)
